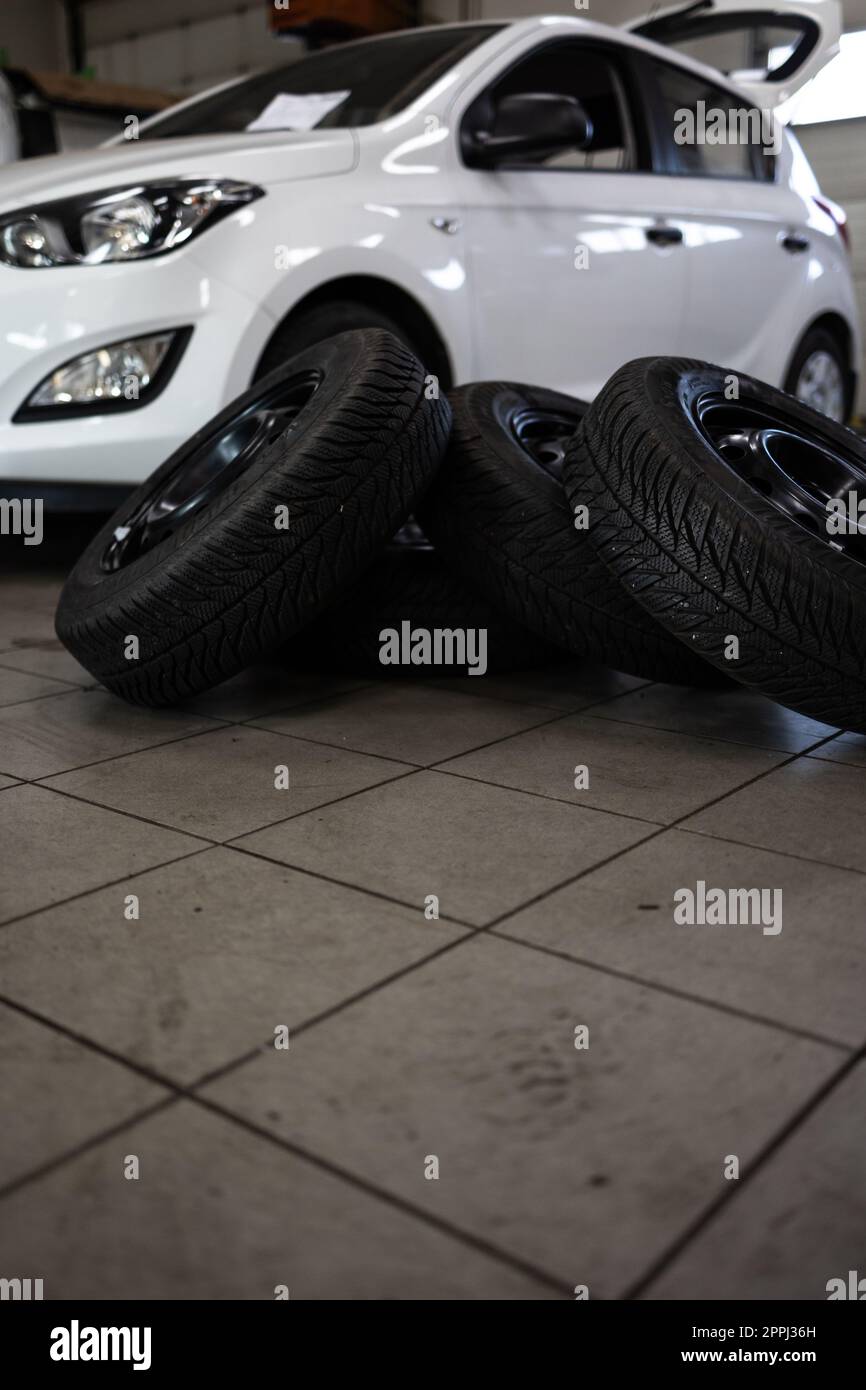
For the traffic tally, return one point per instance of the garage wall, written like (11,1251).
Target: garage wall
(179,47)
(837,153)
(33,35)
(186,45)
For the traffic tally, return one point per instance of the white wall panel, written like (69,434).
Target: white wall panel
(33,35)
(180,47)
(837,152)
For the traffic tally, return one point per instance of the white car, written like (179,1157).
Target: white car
(517,200)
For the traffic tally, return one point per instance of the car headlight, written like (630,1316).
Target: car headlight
(118,376)
(126,224)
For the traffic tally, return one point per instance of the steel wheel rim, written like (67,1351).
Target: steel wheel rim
(812,480)
(212,467)
(820,384)
(545,435)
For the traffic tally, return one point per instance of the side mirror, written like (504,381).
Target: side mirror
(536,123)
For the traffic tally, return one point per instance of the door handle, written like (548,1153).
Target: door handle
(663,234)
(794,242)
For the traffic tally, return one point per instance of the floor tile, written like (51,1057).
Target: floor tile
(225,949)
(220,1213)
(27,612)
(632,770)
(57,1094)
(19,686)
(845,748)
(482,850)
(264,690)
(810,808)
(411,722)
(735,715)
(800,1222)
(537,1150)
(811,975)
(54,847)
(565,688)
(80,727)
(47,658)
(222,784)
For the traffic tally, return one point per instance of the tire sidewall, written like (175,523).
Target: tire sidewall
(672,390)
(90,585)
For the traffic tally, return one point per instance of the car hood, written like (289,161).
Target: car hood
(262,159)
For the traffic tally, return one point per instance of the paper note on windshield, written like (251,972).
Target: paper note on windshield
(291,111)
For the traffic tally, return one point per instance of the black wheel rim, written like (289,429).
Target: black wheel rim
(813,480)
(545,435)
(213,466)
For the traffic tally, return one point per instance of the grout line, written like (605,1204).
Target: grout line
(393,1199)
(346,796)
(179,1093)
(732,1190)
(593,701)
(217,1073)
(837,762)
(34,699)
(342,882)
(114,757)
(48,695)
(197,834)
(788,756)
(430,685)
(470,934)
(69,1155)
(320,699)
(573,878)
(770,849)
(422,767)
(119,811)
(673,825)
(325,743)
(233,843)
(100,887)
(6,665)
(661,988)
(706,738)
(542,796)
(188,1088)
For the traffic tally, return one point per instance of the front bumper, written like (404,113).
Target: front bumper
(49,316)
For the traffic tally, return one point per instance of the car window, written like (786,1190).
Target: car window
(372,79)
(575,70)
(705,131)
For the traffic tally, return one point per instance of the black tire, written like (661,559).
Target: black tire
(501,519)
(323,321)
(710,554)
(227,586)
(820,340)
(410,583)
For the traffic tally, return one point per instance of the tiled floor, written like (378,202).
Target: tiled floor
(549,1085)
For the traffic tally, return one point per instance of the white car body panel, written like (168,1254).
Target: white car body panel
(502,291)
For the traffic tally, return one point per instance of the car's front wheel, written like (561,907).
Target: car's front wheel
(819,375)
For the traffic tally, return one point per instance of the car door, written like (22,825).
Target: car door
(746,239)
(572,266)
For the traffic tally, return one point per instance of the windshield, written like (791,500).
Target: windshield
(353,84)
